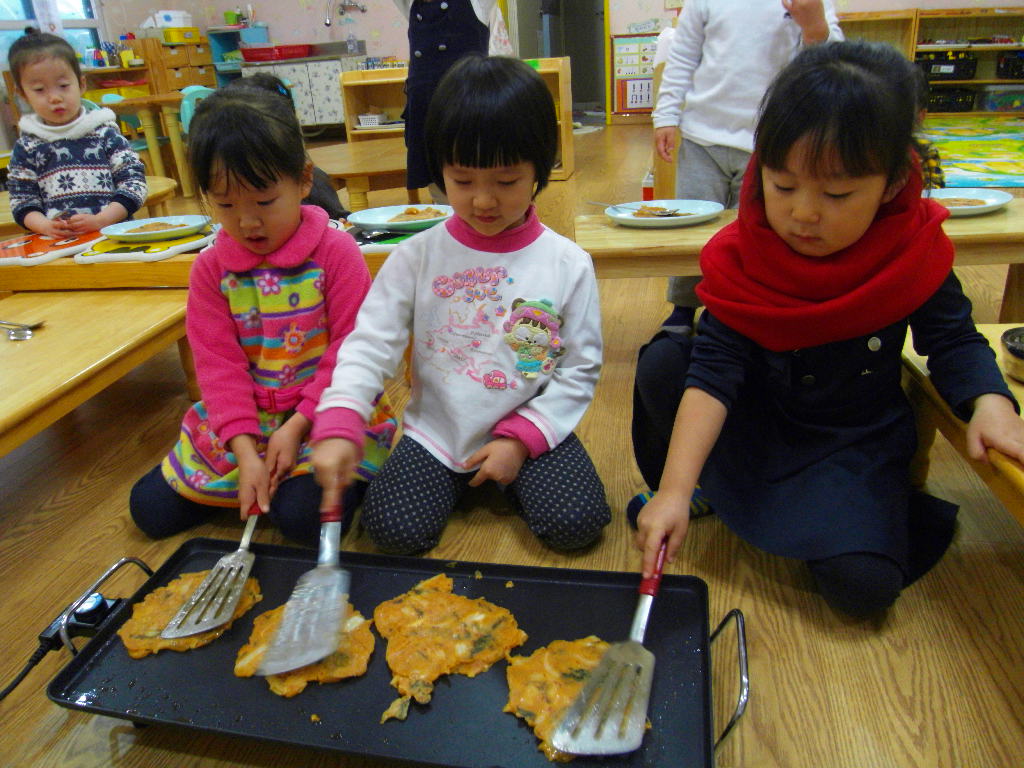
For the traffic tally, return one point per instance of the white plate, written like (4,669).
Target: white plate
(377,218)
(994,199)
(182,226)
(696,212)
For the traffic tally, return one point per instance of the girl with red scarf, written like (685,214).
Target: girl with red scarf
(787,405)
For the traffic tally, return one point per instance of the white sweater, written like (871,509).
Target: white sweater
(454,290)
(724,55)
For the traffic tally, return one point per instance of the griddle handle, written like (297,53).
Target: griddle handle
(741,653)
(652,583)
(66,616)
(332,515)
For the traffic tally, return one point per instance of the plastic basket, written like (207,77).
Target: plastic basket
(369,121)
(947,65)
(274,52)
(951,100)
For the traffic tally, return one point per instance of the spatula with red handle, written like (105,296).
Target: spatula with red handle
(609,715)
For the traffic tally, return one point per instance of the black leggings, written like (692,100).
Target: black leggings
(160,511)
(859,584)
(558,494)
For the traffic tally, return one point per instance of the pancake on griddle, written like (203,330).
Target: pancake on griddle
(355,645)
(432,632)
(141,633)
(541,686)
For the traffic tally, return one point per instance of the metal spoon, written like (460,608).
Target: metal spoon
(26,326)
(19,334)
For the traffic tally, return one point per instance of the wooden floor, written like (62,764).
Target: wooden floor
(938,682)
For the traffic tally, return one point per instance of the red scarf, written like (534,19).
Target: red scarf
(760,287)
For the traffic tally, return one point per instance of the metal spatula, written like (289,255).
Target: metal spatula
(316,610)
(609,716)
(215,599)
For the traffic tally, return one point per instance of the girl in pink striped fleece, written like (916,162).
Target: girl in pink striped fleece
(269,304)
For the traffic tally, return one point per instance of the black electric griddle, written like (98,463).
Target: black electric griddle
(463,725)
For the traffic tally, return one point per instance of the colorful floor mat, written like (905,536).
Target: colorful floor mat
(979,150)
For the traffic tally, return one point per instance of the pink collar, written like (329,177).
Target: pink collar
(235,257)
(510,240)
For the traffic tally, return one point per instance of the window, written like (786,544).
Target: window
(78,21)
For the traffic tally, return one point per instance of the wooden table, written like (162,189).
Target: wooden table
(363,167)
(145,107)
(995,238)
(159,189)
(1005,476)
(89,340)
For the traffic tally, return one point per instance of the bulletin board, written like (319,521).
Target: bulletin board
(633,73)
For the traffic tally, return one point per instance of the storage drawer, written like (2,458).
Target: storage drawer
(947,65)
(130,91)
(178,78)
(199,55)
(203,76)
(95,95)
(172,56)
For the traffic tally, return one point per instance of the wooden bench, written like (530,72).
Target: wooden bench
(90,339)
(1003,475)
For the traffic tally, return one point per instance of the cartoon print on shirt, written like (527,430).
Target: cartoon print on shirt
(464,337)
(532,332)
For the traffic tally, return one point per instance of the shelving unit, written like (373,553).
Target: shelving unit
(938,30)
(383,90)
(226,39)
(898,28)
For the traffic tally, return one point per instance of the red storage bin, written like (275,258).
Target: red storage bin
(275,52)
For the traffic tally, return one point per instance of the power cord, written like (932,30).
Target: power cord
(83,622)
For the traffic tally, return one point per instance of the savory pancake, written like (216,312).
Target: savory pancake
(153,226)
(141,633)
(417,214)
(355,645)
(431,632)
(541,686)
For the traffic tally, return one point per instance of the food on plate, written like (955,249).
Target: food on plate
(651,211)
(153,226)
(355,646)
(141,633)
(418,214)
(541,686)
(959,202)
(432,632)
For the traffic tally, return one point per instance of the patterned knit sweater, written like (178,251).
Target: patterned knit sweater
(78,167)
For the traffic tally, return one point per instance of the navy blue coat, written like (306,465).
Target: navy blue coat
(813,459)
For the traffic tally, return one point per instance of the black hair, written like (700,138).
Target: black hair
(250,135)
(36,46)
(262,81)
(489,111)
(855,102)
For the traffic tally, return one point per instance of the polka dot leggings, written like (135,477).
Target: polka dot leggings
(558,494)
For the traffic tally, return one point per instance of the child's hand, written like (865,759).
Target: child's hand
(58,228)
(665,142)
(283,449)
(810,17)
(500,460)
(334,460)
(111,213)
(253,478)
(995,424)
(666,514)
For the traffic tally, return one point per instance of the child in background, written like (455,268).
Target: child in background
(722,57)
(71,170)
(506,324)
(791,415)
(931,163)
(323,192)
(269,304)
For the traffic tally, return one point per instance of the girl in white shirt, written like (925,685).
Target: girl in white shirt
(506,328)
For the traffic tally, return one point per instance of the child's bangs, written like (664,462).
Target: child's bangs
(484,140)
(244,146)
(845,126)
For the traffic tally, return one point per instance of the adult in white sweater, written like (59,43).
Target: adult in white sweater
(722,58)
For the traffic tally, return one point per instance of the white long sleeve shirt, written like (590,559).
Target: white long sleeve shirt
(476,364)
(724,55)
